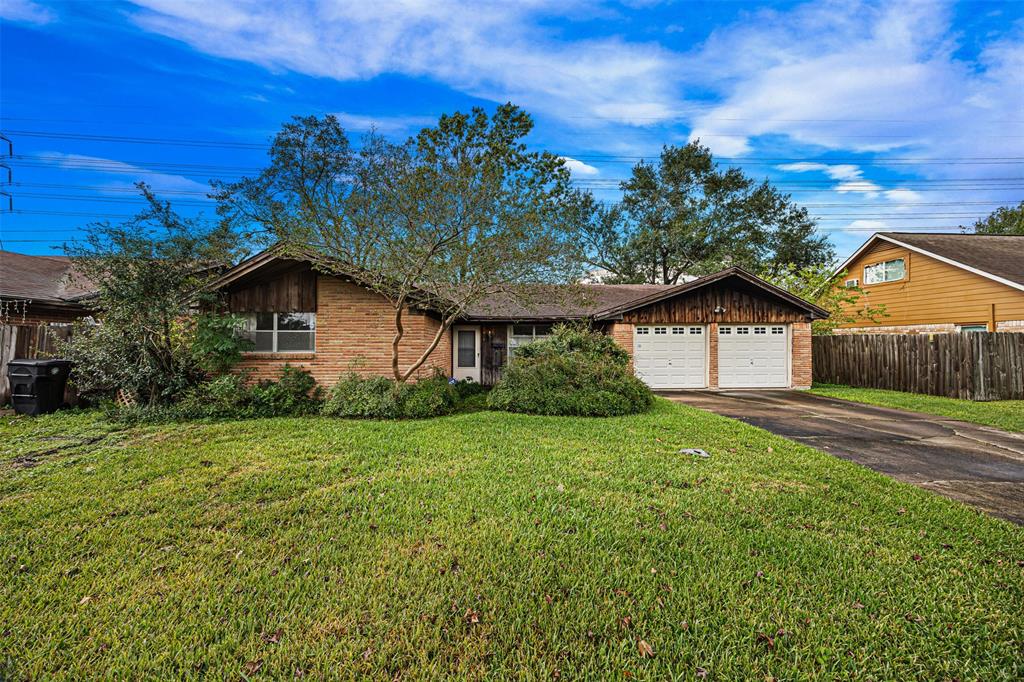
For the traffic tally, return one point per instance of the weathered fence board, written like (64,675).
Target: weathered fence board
(975,366)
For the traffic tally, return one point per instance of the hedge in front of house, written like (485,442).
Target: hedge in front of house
(383,398)
(574,372)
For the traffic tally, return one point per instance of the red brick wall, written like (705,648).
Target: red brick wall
(354,328)
(801,354)
(712,355)
(622,333)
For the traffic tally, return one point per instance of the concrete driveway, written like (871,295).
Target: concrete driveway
(978,465)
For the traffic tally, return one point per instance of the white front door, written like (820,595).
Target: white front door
(753,356)
(671,355)
(466,353)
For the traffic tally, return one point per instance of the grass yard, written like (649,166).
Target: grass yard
(486,545)
(1003,414)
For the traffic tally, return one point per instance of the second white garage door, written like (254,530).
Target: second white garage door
(671,356)
(753,356)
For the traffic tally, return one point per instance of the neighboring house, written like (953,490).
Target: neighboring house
(40,290)
(39,298)
(728,330)
(939,282)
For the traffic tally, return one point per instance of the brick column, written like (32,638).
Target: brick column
(622,334)
(713,355)
(801,357)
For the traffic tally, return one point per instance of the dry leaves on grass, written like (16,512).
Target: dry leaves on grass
(646,650)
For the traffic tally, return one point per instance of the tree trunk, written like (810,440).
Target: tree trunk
(445,325)
(395,340)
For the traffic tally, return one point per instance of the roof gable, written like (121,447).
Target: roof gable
(773,291)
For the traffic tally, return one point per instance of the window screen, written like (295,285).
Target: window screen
(467,348)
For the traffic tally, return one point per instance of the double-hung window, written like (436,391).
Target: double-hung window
(888,271)
(282,332)
(520,334)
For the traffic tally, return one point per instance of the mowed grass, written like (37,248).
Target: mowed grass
(487,545)
(1002,414)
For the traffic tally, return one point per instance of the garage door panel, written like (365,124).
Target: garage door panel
(753,356)
(670,356)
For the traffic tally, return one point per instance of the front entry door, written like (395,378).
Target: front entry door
(466,353)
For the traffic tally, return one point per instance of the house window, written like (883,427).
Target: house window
(889,271)
(695,330)
(760,330)
(722,331)
(660,330)
(467,348)
(852,283)
(969,328)
(678,330)
(281,332)
(742,330)
(520,334)
(778,330)
(641,330)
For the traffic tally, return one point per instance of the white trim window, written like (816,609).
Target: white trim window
(971,328)
(281,332)
(888,271)
(522,334)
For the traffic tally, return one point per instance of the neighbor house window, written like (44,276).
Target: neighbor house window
(519,334)
(281,332)
(968,328)
(889,271)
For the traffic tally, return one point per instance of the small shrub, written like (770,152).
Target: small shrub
(382,398)
(575,372)
(294,393)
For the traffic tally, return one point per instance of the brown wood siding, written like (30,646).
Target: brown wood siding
(933,292)
(742,303)
(289,292)
(493,352)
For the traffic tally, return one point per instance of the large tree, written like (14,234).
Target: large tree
(686,216)
(1004,220)
(443,221)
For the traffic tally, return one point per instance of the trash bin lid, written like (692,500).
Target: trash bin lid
(47,362)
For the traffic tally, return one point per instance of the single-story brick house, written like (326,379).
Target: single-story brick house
(727,330)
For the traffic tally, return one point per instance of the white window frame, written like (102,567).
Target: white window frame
(512,343)
(971,328)
(274,332)
(883,265)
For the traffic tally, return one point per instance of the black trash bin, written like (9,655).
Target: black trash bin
(37,386)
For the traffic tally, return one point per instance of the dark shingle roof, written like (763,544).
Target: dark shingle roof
(40,278)
(999,255)
(561,302)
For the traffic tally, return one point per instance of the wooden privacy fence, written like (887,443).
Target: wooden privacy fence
(974,366)
(27,341)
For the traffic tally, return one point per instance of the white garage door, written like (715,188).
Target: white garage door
(753,356)
(670,356)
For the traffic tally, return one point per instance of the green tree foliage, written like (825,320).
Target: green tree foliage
(148,272)
(686,216)
(1007,220)
(828,290)
(218,343)
(457,214)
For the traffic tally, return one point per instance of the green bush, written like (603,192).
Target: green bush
(576,372)
(231,396)
(383,398)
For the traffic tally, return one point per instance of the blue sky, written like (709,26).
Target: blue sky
(873,115)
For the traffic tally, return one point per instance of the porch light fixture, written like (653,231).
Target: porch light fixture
(719,310)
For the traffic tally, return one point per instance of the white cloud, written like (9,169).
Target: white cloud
(101,166)
(26,11)
(496,51)
(906,196)
(862,225)
(578,168)
(386,125)
(862,76)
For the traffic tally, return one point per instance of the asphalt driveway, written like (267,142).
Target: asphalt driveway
(979,465)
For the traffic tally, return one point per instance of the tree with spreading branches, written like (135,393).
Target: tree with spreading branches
(444,221)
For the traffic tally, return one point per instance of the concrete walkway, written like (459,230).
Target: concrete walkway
(979,465)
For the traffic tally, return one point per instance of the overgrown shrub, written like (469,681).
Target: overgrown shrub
(576,371)
(231,396)
(383,398)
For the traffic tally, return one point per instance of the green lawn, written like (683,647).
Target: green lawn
(1003,414)
(486,545)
